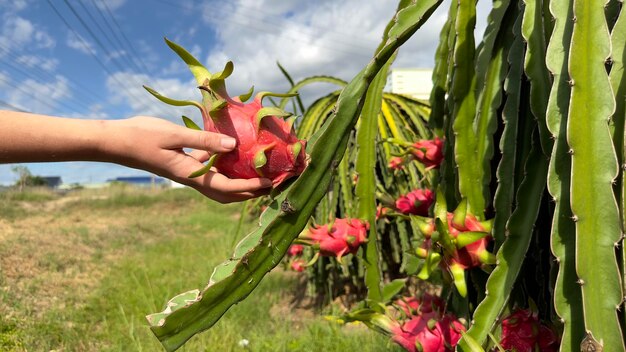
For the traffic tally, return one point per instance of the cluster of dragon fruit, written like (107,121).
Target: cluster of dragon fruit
(454,242)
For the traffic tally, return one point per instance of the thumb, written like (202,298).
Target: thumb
(203,140)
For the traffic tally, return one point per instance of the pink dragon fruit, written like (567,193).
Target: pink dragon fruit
(341,237)
(295,250)
(474,254)
(396,163)
(523,332)
(427,333)
(429,152)
(298,265)
(415,306)
(267,145)
(416,202)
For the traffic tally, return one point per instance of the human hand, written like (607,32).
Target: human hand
(156,145)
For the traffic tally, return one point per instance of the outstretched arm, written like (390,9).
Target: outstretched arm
(142,142)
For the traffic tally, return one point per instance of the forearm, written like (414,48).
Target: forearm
(32,138)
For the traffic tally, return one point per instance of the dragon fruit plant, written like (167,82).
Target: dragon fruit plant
(267,145)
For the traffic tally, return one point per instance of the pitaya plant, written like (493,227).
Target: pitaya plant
(267,145)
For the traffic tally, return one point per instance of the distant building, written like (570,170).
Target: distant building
(414,82)
(143,181)
(52,181)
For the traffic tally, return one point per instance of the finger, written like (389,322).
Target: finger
(202,140)
(221,183)
(233,197)
(200,155)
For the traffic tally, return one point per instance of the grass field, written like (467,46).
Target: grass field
(79,272)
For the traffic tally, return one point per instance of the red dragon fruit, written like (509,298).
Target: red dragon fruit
(396,163)
(267,145)
(426,304)
(416,202)
(428,333)
(474,254)
(341,237)
(523,332)
(298,265)
(429,152)
(295,250)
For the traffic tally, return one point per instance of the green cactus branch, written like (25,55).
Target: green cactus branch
(505,191)
(533,30)
(567,293)
(256,255)
(594,169)
(464,100)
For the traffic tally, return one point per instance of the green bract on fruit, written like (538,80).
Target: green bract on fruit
(267,145)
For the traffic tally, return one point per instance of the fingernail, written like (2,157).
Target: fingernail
(228,143)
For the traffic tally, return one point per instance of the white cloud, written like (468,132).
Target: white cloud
(311,38)
(40,97)
(12,6)
(126,87)
(111,4)
(79,43)
(17,32)
(38,62)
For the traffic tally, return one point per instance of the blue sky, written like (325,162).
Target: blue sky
(52,63)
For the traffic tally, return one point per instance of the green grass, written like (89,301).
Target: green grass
(115,256)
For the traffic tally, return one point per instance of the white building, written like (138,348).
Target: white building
(415,82)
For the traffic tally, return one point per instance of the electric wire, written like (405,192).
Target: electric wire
(93,54)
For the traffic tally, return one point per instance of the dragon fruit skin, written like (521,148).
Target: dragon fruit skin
(416,202)
(298,265)
(428,333)
(295,250)
(429,152)
(341,237)
(473,254)
(266,147)
(523,332)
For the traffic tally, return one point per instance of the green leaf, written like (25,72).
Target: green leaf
(190,124)
(200,72)
(391,289)
(173,102)
(205,168)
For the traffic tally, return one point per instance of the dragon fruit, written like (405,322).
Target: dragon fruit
(298,265)
(295,250)
(426,304)
(396,163)
(523,332)
(267,145)
(429,152)
(341,237)
(428,333)
(416,202)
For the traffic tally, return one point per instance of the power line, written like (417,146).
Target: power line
(120,49)
(76,86)
(12,107)
(91,52)
(37,97)
(136,55)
